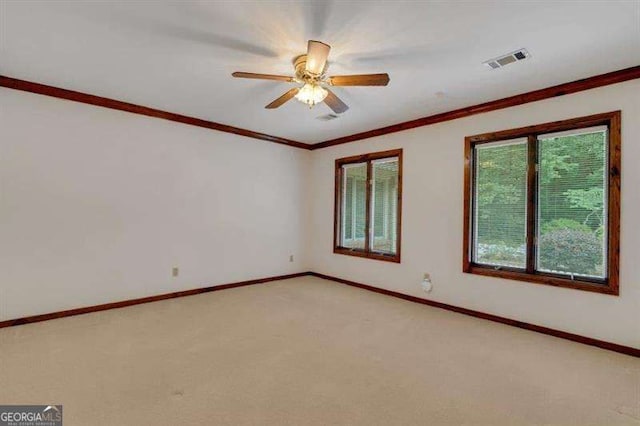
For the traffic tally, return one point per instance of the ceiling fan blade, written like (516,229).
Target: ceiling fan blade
(284,98)
(317,54)
(335,103)
(238,74)
(360,80)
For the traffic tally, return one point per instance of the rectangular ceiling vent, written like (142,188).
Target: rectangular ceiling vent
(327,117)
(501,61)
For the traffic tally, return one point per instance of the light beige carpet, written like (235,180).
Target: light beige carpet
(307,351)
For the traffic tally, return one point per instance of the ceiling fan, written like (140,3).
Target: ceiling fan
(310,71)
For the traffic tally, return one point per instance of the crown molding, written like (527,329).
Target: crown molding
(523,98)
(71,95)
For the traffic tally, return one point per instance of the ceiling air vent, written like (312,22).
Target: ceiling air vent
(327,117)
(501,61)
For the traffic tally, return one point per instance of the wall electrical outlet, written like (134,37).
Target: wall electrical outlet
(426,284)
(291,258)
(175,271)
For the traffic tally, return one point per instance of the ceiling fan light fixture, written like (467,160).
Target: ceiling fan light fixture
(311,94)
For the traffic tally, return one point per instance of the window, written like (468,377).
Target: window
(542,203)
(368,205)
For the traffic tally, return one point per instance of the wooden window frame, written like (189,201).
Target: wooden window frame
(610,285)
(366,252)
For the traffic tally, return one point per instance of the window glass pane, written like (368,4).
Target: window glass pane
(384,201)
(572,199)
(354,205)
(500,204)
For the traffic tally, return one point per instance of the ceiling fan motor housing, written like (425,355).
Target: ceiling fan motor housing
(304,76)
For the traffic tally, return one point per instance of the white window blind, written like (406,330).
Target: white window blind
(354,205)
(572,203)
(384,199)
(500,204)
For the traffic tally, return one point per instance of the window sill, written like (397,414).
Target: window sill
(376,256)
(538,278)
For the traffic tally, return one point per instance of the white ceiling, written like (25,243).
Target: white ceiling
(179,56)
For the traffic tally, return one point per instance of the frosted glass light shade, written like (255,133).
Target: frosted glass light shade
(311,94)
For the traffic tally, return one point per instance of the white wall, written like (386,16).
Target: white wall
(98,205)
(433,216)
